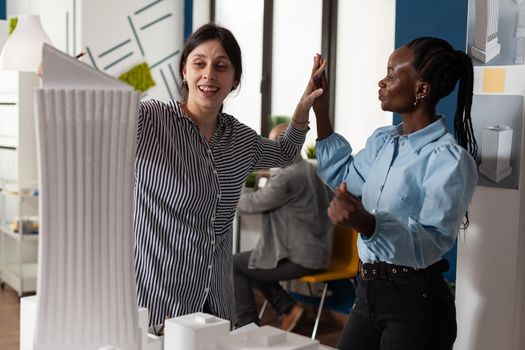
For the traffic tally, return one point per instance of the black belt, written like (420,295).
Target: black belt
(385,271)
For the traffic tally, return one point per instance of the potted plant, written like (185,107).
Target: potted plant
(278,119)
(310,152)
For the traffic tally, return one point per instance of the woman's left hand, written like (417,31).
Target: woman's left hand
(347,209)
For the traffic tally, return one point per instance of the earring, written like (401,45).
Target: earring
(416,101)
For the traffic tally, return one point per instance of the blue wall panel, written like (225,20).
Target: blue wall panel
(446,19)
(188,18)
(3,12)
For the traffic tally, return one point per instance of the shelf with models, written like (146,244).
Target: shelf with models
(17,189)
(18,231)
(21,277)
(19,240)
(8,231)
(18,211)
(18,260)
(18,181)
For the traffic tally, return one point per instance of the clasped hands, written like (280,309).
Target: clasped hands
(348,210)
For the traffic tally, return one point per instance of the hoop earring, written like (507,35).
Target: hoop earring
(184,82)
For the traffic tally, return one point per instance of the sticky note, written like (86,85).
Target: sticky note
(12,24)
(139,77)
(494,80)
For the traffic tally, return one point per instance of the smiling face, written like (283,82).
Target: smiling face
(210,76)
(398,90)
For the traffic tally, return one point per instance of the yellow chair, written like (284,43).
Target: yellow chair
(344,263)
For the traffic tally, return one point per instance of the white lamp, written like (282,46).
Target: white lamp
(23,49)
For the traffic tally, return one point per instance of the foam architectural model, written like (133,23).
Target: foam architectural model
(198,331)
(28,306)
(266,337)
(520,37)
(486,45)
(194,331)
(496,152)
(86,133)
(202,331)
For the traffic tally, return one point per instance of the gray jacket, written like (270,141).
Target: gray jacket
(296,226)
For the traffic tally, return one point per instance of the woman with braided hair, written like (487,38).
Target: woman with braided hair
(406,193)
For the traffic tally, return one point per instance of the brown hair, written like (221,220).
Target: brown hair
(208,32)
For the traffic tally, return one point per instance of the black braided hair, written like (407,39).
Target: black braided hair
(442,67)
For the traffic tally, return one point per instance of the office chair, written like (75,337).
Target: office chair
(344,263)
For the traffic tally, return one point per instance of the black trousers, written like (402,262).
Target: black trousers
(415,313)
(266,281)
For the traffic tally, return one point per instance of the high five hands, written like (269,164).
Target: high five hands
(311,92)
(347,209)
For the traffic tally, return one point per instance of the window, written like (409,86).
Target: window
(246,23)
(365,39)
(296,39)
(280,38)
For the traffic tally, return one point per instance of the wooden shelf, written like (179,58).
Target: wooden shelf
(18,190)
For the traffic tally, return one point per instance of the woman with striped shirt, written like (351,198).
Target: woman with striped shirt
(191,164)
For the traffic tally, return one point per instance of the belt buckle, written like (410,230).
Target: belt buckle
(365,275)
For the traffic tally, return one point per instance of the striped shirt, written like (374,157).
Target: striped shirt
(186,192)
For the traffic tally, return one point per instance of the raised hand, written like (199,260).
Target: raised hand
(322,102)
(302,110)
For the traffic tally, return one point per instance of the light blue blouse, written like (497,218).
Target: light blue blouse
(418,186)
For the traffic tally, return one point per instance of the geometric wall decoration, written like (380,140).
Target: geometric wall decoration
(120,34)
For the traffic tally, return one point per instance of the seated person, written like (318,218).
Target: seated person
(296,239)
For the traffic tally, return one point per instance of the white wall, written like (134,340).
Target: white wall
(201,13)
(487,271)
(297,38)
(19,7)
(362,57)
(490,283)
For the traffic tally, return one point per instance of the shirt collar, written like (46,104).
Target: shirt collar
(421,138)
(181,114)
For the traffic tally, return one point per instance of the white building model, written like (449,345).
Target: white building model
(265,337)
(496,152)
(198,331)
(486,45)
(201,331)
(86,131)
